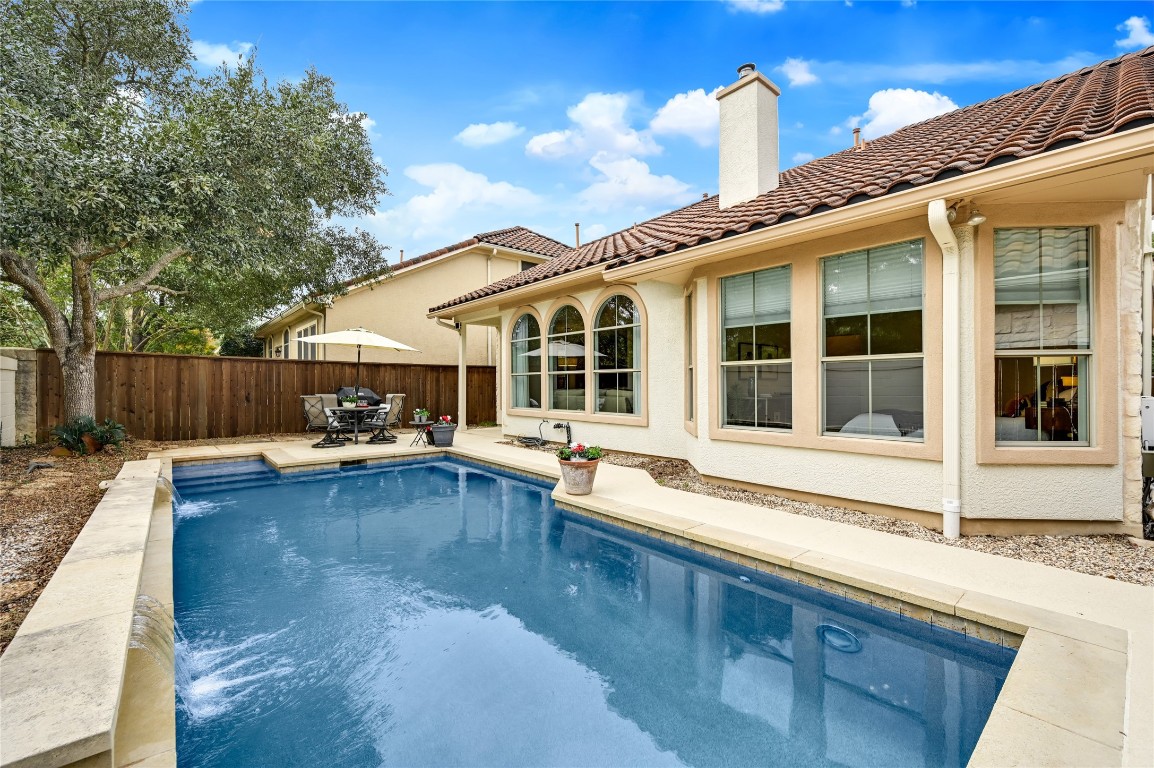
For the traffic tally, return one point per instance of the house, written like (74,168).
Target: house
(394,304)
(948,324)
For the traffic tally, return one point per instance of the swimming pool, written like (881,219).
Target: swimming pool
(444,613)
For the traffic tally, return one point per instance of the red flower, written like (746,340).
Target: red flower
(579,448)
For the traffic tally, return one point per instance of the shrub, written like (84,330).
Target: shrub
(70,434)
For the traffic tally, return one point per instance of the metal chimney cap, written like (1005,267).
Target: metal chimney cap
(746,69)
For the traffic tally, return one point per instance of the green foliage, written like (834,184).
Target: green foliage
(69,434)
(142,200)
(579,452)
(110,432)
(241,345)
(420,414)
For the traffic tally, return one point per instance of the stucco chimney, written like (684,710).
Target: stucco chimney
(748,155)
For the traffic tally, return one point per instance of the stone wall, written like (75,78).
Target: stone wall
(18,388)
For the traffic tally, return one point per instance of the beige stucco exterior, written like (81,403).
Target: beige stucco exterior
(1057,488)
(396,307)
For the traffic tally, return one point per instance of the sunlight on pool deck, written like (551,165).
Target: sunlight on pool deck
(1081,691)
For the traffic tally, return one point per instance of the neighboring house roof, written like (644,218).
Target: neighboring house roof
(520,239)
(1097,101)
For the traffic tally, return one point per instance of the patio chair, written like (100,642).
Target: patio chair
(316,419)
(382,424)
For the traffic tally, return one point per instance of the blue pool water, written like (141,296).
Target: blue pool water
(437,613)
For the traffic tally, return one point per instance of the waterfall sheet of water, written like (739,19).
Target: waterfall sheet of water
(153,631)
(165,483)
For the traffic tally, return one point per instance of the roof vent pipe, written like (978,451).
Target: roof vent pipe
(748,151)
(577,229)
(857,138)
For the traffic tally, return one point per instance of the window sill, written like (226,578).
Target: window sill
(596,418)
(1053,455)
(904,449)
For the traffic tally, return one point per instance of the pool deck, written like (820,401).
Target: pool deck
(1081,691)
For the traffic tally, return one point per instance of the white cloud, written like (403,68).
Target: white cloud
(1139,35)
(896,107)
(801,158)
(599,125)
(628,183)
(486,134)
(755,6)
(940,72)
(693,114)
(798,72)
(455,193)
(216,54)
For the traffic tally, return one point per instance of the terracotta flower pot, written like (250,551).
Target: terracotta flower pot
(91,444)
(578,476)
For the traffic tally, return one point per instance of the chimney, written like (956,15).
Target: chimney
(857,138)
(749,152)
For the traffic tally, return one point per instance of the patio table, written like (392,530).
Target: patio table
(357,414)
(422,433)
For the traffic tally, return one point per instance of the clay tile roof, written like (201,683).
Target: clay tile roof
(515,238)
(1097,101)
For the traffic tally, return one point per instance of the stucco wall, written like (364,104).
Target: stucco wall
(24,391)
(7,401)
(397,308)
(1101,488)
(663,385)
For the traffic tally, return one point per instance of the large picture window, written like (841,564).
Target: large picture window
(616,356)
(1042,334)
(756,367)
(567,360)
(872,361)
(525,351)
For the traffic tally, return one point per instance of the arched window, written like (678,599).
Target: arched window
(526,364)
(617,356)
(567,360)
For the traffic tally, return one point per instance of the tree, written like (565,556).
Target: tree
(124,173)
(242,345)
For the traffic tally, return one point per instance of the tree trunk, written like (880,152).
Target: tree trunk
(78,368)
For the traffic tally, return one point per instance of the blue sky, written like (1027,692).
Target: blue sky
(544,114)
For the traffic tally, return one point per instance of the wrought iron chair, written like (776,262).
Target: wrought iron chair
(316,418)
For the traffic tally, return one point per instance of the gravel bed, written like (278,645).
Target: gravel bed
(1111,556)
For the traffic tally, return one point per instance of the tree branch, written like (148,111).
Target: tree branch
(22,272)
(144,280)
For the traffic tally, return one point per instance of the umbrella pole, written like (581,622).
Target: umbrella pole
(357,382)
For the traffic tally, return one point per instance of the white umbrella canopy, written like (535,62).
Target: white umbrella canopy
(358,337)
(562,349)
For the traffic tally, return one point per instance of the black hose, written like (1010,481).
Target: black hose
(568,431)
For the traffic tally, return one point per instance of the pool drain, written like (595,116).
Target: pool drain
(839,639)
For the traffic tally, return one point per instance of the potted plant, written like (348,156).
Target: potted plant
(442,431)
(421,414)
(83,435)
(579,467)
(348,401)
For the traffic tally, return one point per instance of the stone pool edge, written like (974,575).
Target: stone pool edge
(1075,688)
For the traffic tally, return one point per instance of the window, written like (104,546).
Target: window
(305,350)
(527,265)
(1042,340)
(872,358)
(690,357)
(526,365)
(285,344)
(756,370)
(567,360)
(616,356)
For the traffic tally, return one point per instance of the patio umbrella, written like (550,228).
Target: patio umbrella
(561,349)
(358,337)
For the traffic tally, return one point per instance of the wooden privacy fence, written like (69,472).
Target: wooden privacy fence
(181,397)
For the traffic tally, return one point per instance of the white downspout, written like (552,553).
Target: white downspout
(1147,283)
(951,370)
(489,331)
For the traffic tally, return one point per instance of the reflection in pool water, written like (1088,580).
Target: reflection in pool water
(439,613)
